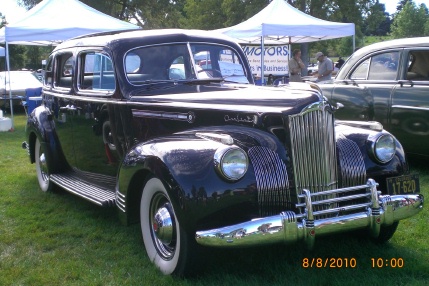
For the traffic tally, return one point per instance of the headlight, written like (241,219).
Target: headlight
(384,148)
(231,162)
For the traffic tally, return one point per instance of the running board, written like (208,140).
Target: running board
(74,184)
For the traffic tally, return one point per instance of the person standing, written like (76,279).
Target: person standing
(325,67)
(339,63)
(295,66)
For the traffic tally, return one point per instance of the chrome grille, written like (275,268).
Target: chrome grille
(352,166)
(271,180)
(314,152)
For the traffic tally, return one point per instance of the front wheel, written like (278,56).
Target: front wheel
(42,172)
(167,244)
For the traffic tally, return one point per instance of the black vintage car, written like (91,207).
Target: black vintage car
(387,82)
(168,127)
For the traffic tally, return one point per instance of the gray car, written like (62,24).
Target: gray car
(387,82)
(20,82)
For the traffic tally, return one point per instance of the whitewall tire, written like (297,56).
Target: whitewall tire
(166,242)
(42,172)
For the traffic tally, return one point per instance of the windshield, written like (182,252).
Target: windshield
(183,62)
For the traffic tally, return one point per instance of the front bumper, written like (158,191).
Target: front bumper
(289,227)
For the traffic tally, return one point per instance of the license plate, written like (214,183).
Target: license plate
(408,184)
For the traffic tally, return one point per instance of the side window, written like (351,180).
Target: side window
(132,63)
(361,71)
(96,72)
(177,69)
(418,65)
(384,66)
(48,72)
(64,70)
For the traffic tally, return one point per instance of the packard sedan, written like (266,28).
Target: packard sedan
(200,156)
(387,82)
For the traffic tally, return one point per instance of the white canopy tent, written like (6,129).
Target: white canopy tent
(281,23)
(53,21)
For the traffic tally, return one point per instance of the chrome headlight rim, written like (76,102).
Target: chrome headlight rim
(225,168)
(380,151)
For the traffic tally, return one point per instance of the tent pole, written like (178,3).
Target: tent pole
(262,61)
(10,89)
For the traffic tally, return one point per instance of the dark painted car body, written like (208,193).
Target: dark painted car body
(130,120)
(387,82)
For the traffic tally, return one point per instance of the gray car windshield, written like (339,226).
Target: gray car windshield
(183,62)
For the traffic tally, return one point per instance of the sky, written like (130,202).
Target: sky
(12,11)
(392,4)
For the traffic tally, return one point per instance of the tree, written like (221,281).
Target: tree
(2,20)
(410,21)
(377,21)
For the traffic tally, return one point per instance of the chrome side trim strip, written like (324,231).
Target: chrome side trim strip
(411,107)
(189,117)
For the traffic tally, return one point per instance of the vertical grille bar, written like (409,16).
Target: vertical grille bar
(313,149)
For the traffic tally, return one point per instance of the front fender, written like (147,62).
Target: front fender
(185,163)
(362,137)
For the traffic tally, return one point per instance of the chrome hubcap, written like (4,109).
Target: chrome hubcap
(43,166)
(163,226)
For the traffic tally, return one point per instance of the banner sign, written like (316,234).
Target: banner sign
(275,59)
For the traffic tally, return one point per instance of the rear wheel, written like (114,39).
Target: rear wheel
(42,172)
(166,242)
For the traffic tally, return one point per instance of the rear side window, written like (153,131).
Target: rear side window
(48,72)
(96,72)
(418,65)
(64,71)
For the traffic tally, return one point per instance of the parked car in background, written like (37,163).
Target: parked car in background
(199,155)
(387,82)
(20,81)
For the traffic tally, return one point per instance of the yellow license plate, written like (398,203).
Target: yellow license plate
(408,184)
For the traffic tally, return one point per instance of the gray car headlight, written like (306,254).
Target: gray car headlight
(384,148)
(231,162)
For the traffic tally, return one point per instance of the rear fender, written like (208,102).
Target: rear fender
(40,125)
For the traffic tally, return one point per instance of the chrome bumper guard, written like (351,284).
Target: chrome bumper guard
(289,227)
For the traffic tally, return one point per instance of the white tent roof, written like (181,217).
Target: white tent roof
(281,22)
(53,21)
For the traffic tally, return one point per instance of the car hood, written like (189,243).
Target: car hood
(289,99)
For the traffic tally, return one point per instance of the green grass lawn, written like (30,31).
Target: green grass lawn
(59,239)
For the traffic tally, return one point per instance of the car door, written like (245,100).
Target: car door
(57,87)
(409,116)
(95,152)
(367,90)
